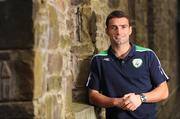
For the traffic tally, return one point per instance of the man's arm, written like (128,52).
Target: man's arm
(129,101)
(101,100)
(160,93)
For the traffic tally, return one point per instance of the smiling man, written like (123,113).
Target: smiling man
(126,79)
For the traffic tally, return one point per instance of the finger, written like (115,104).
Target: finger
(129,107)
(132,107)
(126,105)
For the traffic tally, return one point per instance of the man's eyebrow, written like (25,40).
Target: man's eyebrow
(124,25)
(119,25)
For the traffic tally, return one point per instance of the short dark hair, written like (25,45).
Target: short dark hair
(117,14)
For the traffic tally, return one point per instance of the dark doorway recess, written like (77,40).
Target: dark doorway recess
(16,24)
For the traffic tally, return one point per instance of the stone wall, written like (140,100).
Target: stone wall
(49,73)
(67,34)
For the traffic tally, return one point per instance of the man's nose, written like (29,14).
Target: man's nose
(119,30)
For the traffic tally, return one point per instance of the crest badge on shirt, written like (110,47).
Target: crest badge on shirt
(137,62)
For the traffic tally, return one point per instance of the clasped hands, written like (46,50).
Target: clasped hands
(130,102)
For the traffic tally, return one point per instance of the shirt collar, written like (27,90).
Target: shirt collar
(130,54)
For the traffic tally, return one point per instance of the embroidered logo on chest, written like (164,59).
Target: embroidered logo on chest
(137,62)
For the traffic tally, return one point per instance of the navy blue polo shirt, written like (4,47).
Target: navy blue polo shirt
(139,72)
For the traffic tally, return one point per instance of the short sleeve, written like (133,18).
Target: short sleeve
(94,75)
(157,73)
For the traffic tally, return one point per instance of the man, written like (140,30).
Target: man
(126,79)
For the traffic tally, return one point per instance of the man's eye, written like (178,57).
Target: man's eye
(124,26)
(113,27)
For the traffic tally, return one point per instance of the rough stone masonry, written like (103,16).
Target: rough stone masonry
(46,47)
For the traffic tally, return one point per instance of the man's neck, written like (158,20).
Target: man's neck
(121,51)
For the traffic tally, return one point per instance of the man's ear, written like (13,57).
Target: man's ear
(130,30)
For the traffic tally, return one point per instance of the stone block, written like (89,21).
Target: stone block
(16,110)
(65,43)
(83,111)
(83,51)
(55,63)
(78,2)
(54,28)
(17,78)
(38,76)
(102,43)
(54,83)
(49,106)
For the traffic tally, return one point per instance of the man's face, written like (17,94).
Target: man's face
(119,31)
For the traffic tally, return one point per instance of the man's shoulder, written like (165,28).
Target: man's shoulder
(142,49)
(102,53)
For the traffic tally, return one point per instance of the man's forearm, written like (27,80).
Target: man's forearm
(101,100)
(158,94)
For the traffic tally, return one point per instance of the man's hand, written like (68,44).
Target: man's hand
(131,102)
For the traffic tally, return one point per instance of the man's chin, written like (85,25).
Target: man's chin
(120,43)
